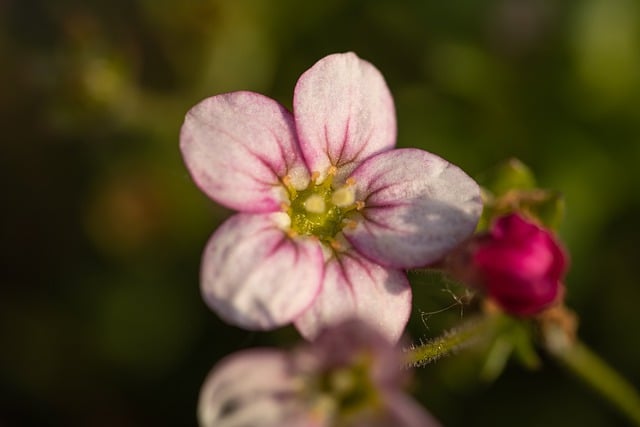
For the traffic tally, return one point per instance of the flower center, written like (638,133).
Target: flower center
(344,391)
(321,210)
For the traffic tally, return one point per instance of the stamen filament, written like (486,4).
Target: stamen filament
(357,206)
(350,224)
(286,181)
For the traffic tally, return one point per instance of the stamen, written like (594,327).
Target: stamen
(343,197)
(282,220)
(292,233)
(323,408)
(359,205)
(315,204)
(286,181)
(327,252)
(350,224)
(342,381)
(320,210)
(336,245)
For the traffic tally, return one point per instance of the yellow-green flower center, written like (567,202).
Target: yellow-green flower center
(321,210)
(341,393)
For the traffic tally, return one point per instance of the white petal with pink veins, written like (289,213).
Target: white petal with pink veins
(255,276)
(250,388)
(344,113)
(238,147)
(417,208)
(403,411)
(354,287)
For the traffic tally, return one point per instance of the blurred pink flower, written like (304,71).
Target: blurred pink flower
(520,265)
(350,376)
(330,214)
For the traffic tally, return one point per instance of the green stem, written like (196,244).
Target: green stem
(574,355)
(595,372)
(471,332)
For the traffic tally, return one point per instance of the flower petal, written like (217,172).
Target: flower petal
(250,388)
(354,287)
(417,208)
(238,146)
(403,411)
(254,276)
(344,113)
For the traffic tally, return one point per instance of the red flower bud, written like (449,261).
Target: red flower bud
(519,265)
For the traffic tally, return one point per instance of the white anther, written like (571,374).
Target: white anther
(298,178)
(282,220)
(315,204)
(343,197)
(327,253)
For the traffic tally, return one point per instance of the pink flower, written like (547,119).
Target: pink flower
(330,214)
(520,265)
(350,376)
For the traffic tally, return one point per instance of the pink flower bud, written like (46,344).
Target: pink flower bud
(519,265)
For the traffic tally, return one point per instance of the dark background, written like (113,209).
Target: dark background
(101,322)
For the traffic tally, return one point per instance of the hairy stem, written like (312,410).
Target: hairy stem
(469,333)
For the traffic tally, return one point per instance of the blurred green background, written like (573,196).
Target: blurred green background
(101,321)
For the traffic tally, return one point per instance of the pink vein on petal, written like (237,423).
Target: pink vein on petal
(355,287)
(237,147)
(418,207)
(253,275)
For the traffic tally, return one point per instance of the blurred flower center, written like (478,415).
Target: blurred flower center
(343,392)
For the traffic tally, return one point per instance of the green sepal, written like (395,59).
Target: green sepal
(548,209)
(524,349)
(508,176)
(496,358)
(513,338)
(511,187)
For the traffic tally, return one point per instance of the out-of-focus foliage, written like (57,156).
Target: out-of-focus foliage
(511,187)
(101,321)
